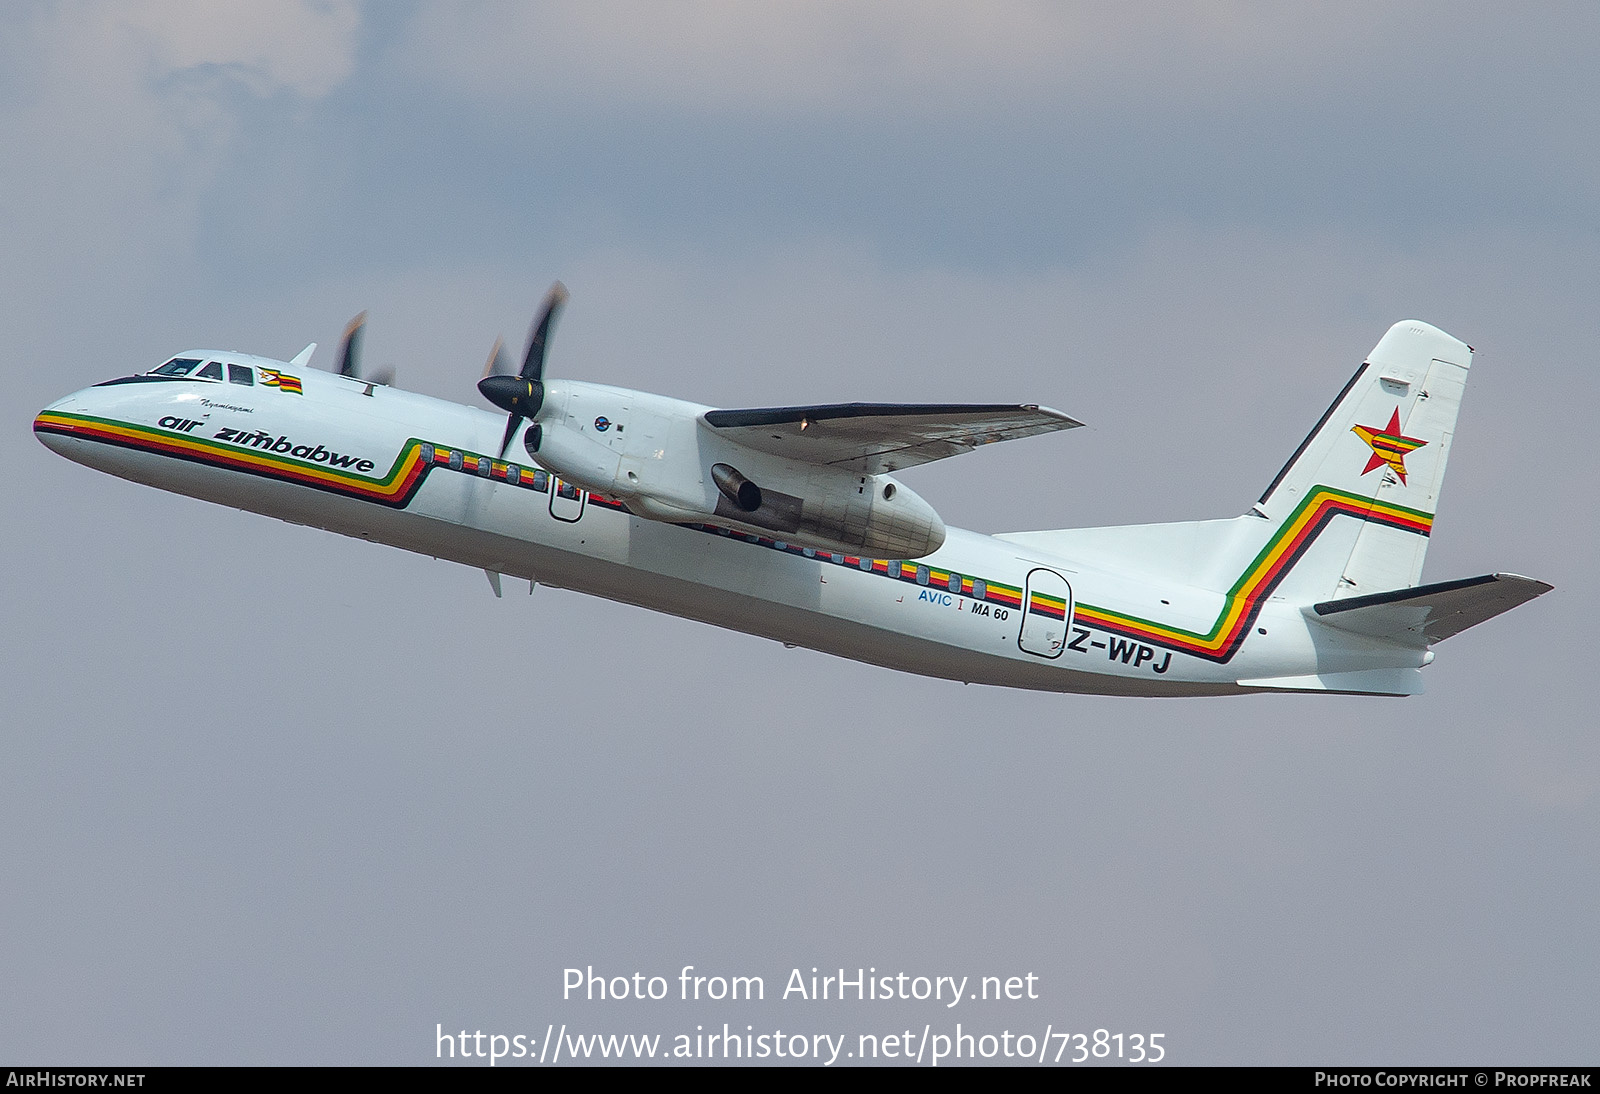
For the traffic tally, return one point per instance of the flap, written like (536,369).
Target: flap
(872,438)
(1430,613)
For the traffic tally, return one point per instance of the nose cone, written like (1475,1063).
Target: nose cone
(92,426)
(56,425)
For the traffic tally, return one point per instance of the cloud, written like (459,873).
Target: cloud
(305,47)
(119,115)
(837,57)
(941,58)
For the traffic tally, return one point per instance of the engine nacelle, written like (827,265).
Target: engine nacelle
(574,456)
(653,453)
(870,515)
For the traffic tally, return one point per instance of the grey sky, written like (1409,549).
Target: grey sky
(270,795)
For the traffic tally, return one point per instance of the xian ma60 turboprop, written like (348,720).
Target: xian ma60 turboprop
(788,522)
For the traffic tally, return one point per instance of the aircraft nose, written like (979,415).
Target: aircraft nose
(57,424)
(60,404)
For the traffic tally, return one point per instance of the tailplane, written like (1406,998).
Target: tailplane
(1430,613)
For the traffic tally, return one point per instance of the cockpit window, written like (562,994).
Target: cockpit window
(178,366)
(213,371)
(240,374)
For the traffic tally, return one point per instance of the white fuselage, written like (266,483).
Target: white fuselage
(417,473)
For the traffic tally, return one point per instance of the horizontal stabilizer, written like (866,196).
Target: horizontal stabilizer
(873,438)
(1427,614)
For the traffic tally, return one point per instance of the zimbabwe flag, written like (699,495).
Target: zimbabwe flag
(281,380)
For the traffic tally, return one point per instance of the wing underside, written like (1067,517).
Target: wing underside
(873,438)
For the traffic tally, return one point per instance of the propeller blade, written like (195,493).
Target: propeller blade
(522,395)
(497,365)
(511,431)
(533,360)
(350,348)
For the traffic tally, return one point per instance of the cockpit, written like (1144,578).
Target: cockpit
(199,369)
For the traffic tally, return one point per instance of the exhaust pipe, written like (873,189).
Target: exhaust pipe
(736,488)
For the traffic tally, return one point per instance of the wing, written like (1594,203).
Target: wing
(872,438)
(1430,613)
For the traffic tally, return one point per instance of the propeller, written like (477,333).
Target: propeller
(350,355)
(522,395)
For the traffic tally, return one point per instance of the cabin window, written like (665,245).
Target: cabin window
(213,371)
(485,468)
(922,575)
(426,452)
(240,374)
(953,583)
(567,490)
(979,587)
(865,564)
(541,481)
(178,366)
(455,459)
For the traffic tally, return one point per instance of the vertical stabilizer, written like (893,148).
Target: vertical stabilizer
(1378,455)
(1348,516)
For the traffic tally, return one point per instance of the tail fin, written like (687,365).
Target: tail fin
(1378,454)
(1346,520)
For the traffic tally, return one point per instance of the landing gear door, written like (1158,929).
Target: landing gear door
(566,500)
(1046,614)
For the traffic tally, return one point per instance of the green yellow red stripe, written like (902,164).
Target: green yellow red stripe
(1243,601)
(394,488)
(1241,604)
(1044,604)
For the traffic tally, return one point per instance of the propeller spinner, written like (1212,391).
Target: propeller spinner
(522,395)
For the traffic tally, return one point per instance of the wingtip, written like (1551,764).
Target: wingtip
(1532,583)
(1067,420)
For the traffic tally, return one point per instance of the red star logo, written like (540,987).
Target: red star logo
(1389,447)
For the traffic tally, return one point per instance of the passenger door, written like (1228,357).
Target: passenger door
(1046,614)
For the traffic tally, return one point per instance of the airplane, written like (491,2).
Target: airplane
(789,523)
